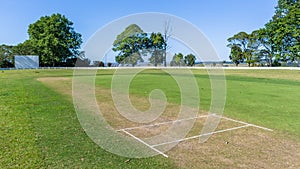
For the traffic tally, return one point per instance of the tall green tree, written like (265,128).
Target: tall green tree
(157,43)
(6,56)
(129,44)
(133,43)
(240,39)
(178,60)
(285,28)
(190,60)
(236,55)
(55,39)
(278,41)
(130,30)
(244,41)
(265,47)
(130,49)
(25,48)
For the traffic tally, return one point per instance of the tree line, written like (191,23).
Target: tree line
(133,44)
(277,42)
(52,38)
(57,44)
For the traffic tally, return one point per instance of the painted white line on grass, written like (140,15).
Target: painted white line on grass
(226,118)
(197,136)
(167,122)
(229,119)
(264,128)
(223,117)
(151,147)
(192,137)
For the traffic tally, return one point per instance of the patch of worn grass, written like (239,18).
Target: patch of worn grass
(269,74)
(39,129)
(255,96)
(263,101)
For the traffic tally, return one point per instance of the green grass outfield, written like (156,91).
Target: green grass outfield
(39,127)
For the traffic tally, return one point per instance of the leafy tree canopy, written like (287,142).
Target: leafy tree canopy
(133,43)
(279,40)
(190,60)
(25,48)
(236,55)
(6,56)
(177,60)
(285,28)
(54,39)
(157,43)
(130,30)
(242,45)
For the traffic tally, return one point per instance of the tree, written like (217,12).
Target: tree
(54,38)
(7,53)
(236,55)
(177,60)
(284,7)
(278,41)
(190,59)
(129,44)
(156,45)
(133,43)
(242,40)
(130,30)
(129,49)
(109,64)
(265,47)
(25,48)
(167,31)
(285,30)
(101,64)
(6,56)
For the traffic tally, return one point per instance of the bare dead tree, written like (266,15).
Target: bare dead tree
(167,35)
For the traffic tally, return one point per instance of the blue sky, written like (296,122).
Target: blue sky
(217,19)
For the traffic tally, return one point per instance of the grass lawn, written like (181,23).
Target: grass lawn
(39,126)
(255,96)
(39,129)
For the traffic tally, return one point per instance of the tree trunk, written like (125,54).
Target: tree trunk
(165,56)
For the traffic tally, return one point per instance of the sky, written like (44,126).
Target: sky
(217,19)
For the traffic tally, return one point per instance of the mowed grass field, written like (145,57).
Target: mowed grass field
(40,129)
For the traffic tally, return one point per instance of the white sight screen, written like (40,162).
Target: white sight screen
(24,62)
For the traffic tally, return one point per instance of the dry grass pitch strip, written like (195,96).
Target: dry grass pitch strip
(197,136)
(245,124)
(140,140)
(157,124)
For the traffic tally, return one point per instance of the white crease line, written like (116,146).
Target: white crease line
(226,118)
(145,143)
(193,137)
(264,128)
(253,125)
(237,121)
(156,124)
